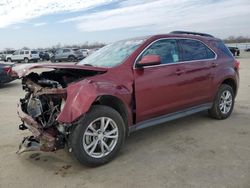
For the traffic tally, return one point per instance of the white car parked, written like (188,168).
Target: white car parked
(23,55)
(85,52)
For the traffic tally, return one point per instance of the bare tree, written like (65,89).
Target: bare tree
(238,39)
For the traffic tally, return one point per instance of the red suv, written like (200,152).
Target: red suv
(128,85)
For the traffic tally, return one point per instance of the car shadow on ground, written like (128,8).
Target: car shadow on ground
(62,162)
(9,85)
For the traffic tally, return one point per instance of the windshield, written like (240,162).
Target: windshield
(112,54)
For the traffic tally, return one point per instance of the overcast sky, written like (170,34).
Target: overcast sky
(42,23)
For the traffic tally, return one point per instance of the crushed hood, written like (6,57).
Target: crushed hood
(25,69)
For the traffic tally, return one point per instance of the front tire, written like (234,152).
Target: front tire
(9,60)
(98,136)
(224,103)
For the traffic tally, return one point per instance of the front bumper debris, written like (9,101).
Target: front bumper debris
(40,140)
(29,144)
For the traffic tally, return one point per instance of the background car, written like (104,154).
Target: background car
(44,56)
(3,54)
(23,55)
(91,51)
(85,52)
(234,50)
(247,50)
(5,70)
(67,54)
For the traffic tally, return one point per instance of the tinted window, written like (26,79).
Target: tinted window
(10,52)
(210,54)
(66,50)
(16,52)
(195,50)
(167,49)
(21,52)
(221,46)
(33,52)
(26,52)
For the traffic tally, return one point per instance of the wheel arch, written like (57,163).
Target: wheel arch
(231,82)
(71,55)
(82,95)
(117,104)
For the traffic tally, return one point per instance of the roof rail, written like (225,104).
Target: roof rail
(191,33)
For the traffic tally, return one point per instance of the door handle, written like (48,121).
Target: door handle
(179,72)
(214,65)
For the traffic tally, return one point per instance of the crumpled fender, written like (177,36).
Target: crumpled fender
(81,95)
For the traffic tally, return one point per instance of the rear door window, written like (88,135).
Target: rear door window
(195,50)
(66,50)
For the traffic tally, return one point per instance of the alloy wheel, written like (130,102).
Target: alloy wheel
(100,137)
(226,101)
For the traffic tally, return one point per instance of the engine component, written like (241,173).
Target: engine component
(34,107)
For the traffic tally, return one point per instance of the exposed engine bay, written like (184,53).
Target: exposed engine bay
(43,102)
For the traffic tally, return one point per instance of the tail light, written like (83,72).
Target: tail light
(237,64)
(7,69)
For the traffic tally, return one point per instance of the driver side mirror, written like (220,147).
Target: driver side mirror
(149,60)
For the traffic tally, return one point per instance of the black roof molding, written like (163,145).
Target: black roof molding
(192,33)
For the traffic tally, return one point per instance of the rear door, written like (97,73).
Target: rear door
(198,62)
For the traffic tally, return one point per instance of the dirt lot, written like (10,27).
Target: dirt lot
(191,152)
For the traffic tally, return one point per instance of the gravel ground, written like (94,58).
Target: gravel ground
(195,151)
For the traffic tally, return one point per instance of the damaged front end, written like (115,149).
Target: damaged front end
(38,111)
(45,97)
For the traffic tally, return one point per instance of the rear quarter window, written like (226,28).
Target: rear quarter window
(34,52)
(195,50)
(222,47)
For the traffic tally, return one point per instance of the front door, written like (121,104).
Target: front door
(160,89)
(15,55)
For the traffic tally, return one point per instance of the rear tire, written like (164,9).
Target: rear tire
(26,60)
(52,60)
(93,144)
(9,60)
(71,58)
(223,104)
